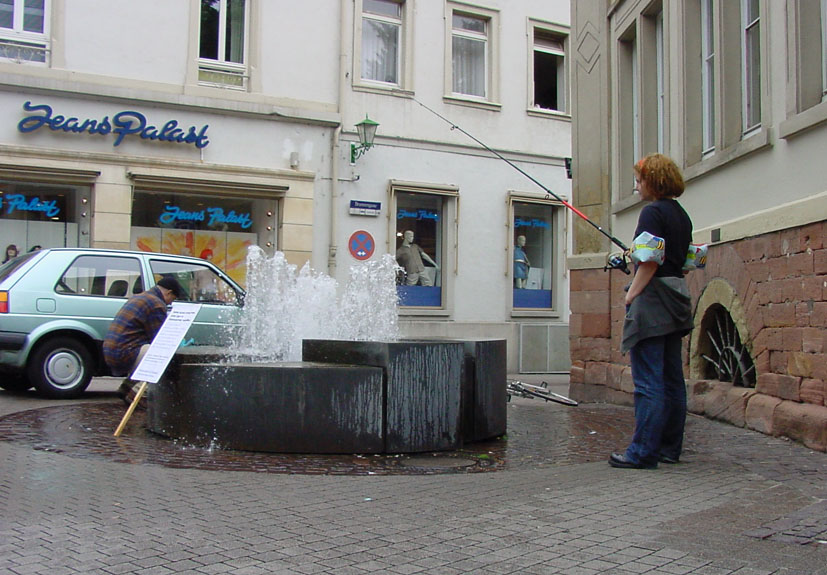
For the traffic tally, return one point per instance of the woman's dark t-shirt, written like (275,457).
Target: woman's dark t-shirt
(667,219)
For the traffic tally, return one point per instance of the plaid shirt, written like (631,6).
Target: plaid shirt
(136,324)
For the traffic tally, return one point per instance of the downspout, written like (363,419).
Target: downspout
(335,148)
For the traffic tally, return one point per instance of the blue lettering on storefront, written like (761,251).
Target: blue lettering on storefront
(174,214)
(123,124)
(417,215)
(532,223)
(19,202)
(217,216)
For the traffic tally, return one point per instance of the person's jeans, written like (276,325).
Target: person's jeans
(660,400)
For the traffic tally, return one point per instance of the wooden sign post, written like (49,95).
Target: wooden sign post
(160,352)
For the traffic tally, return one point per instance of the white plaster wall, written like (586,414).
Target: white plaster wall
(113,38)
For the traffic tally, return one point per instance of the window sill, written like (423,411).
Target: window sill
(757,140)
(472,102)
(412,312)
(543,313)
(803,121)
(549,114)
(383,89)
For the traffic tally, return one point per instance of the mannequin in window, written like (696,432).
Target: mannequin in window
(521,263)
(409,256)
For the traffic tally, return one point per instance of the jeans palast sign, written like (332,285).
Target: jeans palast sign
(122,124)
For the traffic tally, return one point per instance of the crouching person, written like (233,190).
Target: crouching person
(134,328)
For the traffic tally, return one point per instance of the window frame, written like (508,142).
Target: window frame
(733,139)
(36,41)
(560,33)
(556,252)
(806,98)
(751,99)
(492,93)
(708,58)
(221,66)
(404,85)
(448,256)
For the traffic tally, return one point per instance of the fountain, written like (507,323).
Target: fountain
(315,373)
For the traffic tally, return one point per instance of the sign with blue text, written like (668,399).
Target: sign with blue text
(122,124)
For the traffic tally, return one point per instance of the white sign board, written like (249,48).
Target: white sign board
(166,341)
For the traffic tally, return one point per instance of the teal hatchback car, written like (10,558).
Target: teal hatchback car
(56,306)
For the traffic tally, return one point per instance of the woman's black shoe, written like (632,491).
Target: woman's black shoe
(621,461)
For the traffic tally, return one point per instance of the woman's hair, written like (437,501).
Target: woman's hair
(6,253)
(662,176)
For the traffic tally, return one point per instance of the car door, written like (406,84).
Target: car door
(221,299)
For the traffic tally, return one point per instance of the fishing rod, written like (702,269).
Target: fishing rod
(614,261)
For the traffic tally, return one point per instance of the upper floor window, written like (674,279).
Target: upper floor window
(23,30)
(381,40)
(471,55)
(549,86)
(751,64)
(222,43)
(723,56)
(708,77)
(469,47)
(823,19)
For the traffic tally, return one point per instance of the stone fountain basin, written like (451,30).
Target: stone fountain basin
(345,397)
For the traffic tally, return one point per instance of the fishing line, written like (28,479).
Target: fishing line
(454,126)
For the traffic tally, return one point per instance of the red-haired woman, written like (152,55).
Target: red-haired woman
(658,315)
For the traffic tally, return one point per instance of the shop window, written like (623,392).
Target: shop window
(222,43)
(549,74)
(24,35)
(108,276)
(533,261)
(420,247)
(43,215)
(217,229)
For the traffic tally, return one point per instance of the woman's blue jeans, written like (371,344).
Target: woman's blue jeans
(660,400)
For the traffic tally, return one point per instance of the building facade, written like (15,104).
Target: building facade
(736,93)
(205,127)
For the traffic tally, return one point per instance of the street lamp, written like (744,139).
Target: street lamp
(367,131)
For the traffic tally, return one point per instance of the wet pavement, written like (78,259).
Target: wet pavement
(542,499)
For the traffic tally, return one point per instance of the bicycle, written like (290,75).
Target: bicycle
(521,389)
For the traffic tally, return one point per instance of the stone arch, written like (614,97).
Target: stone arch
(717,294)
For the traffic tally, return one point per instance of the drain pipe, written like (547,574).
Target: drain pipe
(335,148)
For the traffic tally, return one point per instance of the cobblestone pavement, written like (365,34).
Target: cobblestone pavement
(73,500)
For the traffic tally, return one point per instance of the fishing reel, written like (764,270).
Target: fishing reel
(617,261)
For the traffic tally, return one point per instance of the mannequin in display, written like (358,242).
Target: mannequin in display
(521,263)
(409,256)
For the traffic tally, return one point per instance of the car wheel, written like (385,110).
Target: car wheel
(60,368)
(14,382)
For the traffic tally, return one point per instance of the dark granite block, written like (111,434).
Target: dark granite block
(423,387)
(276,407)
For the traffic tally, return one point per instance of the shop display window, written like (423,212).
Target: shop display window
(419,248)
(533,245)
(217,229)
(34,215)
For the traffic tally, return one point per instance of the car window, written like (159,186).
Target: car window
(110,276)
(7,268)
(200,282)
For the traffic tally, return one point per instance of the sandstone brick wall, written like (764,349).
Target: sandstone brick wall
(780,279)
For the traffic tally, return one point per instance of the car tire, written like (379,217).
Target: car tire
(60,368)
(14,382)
